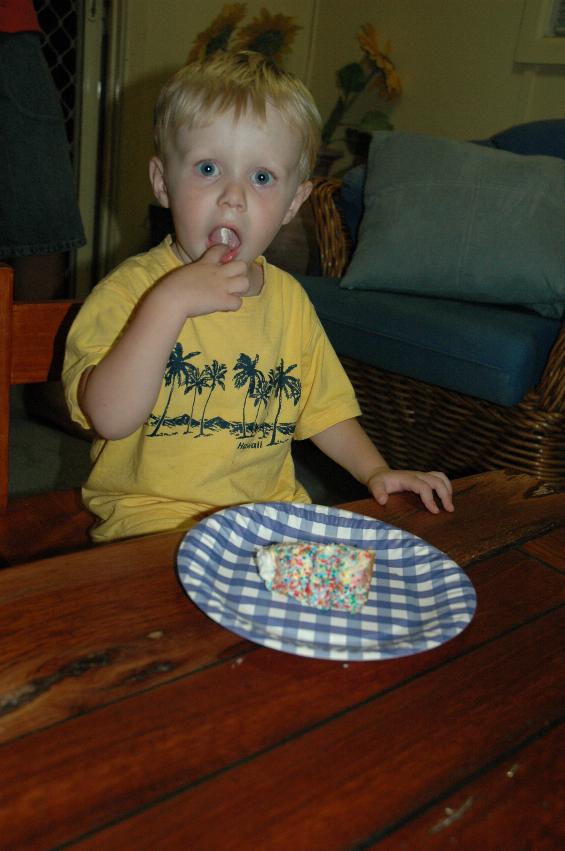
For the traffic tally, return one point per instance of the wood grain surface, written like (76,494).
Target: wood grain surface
(128,719)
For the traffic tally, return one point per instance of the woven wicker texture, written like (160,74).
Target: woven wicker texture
(419,425)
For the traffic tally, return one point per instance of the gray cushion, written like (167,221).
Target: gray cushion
(457,220)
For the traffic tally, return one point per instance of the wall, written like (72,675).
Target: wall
(456,59)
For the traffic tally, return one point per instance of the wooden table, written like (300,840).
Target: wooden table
(128,719)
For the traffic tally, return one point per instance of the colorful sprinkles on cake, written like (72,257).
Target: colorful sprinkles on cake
(324,576)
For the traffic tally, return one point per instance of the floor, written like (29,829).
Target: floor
(44,457)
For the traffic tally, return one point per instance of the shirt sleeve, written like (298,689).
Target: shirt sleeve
(96,329)
(327,394)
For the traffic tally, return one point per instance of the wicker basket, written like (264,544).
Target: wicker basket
(422,426)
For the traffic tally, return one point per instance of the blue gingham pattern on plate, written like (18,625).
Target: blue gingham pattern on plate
(419,597)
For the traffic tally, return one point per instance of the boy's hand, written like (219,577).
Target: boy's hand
(208,284)
(385,481)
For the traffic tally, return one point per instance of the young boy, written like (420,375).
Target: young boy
(197,362)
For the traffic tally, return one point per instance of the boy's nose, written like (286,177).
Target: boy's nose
(233,195)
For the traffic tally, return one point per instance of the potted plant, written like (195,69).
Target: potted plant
(375,70)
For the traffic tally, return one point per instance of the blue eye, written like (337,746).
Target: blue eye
(261,177)
(207,169)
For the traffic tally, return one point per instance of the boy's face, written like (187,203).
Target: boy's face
(231,181)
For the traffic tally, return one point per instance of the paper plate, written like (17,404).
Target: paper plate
(419,597)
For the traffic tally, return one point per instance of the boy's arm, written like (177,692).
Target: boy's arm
(118,394)
(348,445)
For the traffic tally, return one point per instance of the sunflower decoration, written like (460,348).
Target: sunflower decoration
(271,35)
(218,35)
(388,81)
(376,71)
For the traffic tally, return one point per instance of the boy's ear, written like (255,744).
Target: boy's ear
(300,197)
(157,178)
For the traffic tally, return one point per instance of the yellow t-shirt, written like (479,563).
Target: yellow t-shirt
(239,386)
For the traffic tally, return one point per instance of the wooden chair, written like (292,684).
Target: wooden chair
(32,342)
(416,424)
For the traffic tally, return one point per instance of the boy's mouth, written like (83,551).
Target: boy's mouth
(229,238)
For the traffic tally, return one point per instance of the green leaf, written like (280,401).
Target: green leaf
(375,120)
(333,121)
(351,78)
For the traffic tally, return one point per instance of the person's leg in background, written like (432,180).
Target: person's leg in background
(40,222)
(39,217)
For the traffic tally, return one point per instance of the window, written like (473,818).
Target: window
(541,38)
(557,23)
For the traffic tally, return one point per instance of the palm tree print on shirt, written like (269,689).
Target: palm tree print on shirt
(279,385)
(283,384)
(177,372)
(246,372)
(196,381)
(263,392)
(215,374)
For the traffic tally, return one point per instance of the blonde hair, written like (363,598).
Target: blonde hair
(243,82)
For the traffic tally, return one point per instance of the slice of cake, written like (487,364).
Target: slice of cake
(324,576)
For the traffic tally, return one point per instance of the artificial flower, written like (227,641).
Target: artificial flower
(271,35)
(388,82)
(217,36)
(376,71)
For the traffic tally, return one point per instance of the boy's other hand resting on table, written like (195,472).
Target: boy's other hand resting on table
(348,445)
(428,485)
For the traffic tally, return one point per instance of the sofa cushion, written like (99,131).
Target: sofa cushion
(534,138)
(491,352)
(457,220)
(349,199)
